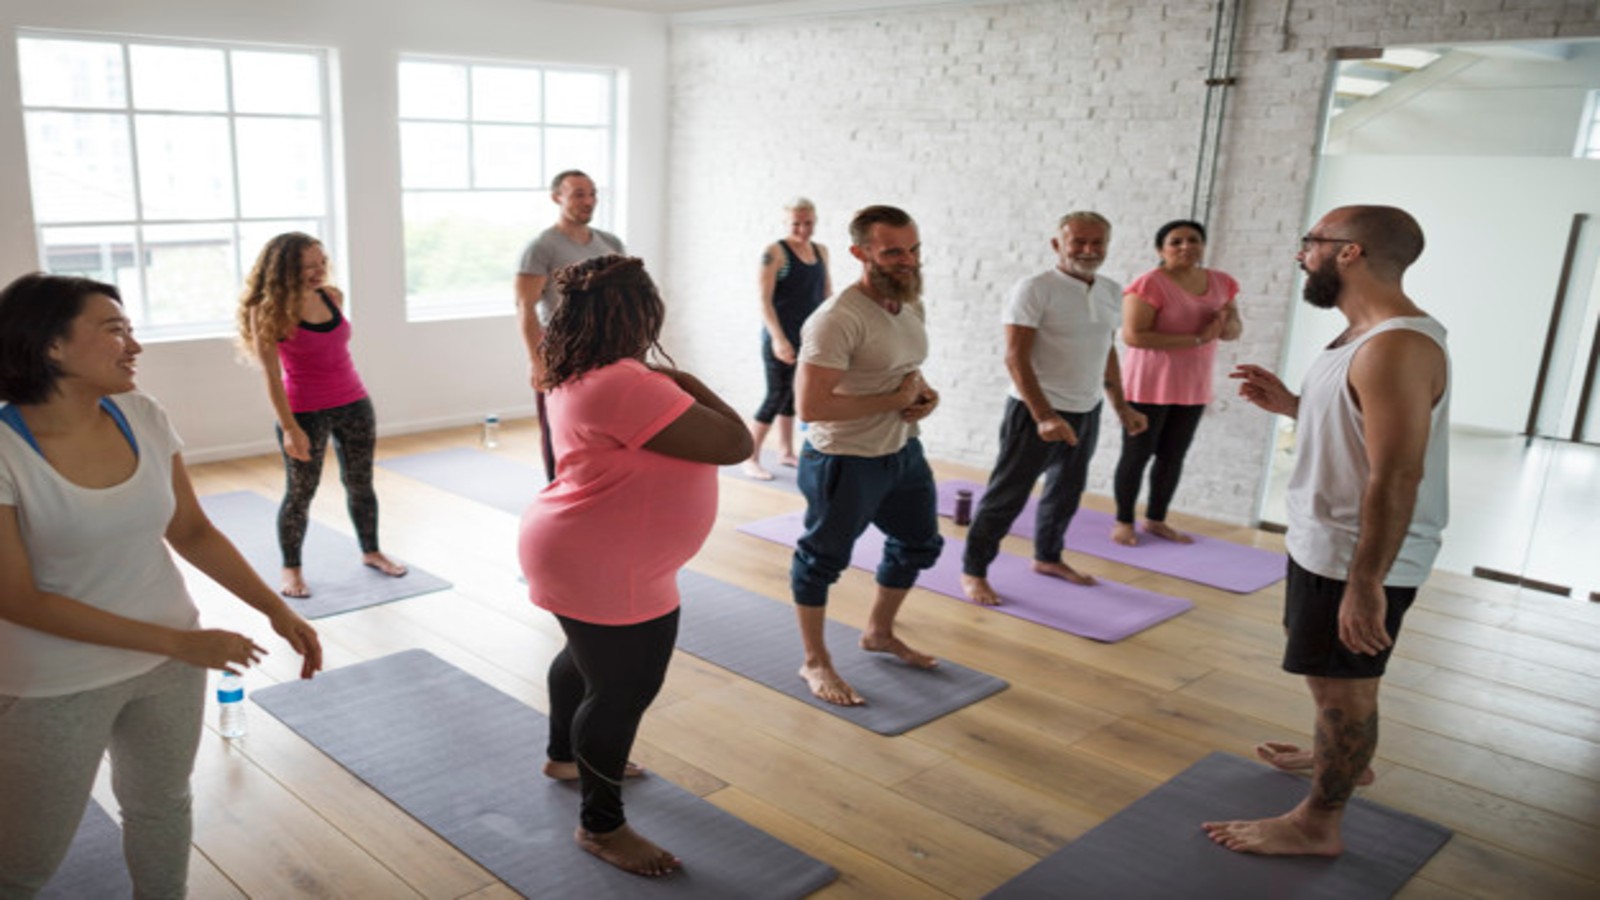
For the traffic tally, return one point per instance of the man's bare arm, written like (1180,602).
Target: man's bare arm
(529,289)
(817,398)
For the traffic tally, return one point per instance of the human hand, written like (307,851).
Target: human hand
(922,407)
(1213,329)
(1133,421)
(1361,620)
(302,638)
(909,390)
(296,444)
(783,350)
(536,375)
(1054,429)
(1265,390)
(214,648)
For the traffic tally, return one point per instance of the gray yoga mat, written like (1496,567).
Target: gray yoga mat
(499,479)
(783,477)
(463,759)
(1155,848)
(94,866)
(758,638)
(331,561)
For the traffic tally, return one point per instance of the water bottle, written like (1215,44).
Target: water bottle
(230,705)
(491,431)
(963,514)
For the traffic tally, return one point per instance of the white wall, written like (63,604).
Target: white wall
(986,122)
(423,374)
(1497,234)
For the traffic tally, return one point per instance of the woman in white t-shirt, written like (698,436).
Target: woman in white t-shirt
(100,644)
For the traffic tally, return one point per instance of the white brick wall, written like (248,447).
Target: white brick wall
(986,122)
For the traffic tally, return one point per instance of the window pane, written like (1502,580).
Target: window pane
(185,167)
(577,98)
(433,91)
(276,83)
(71,73)
(505,156)
(577,148)
(191,274)
(104,253)
(505,95)
(182,78)
(280,167)
(81,167)
(433,155)
(461,247)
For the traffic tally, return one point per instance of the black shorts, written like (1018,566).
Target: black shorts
(1311,618)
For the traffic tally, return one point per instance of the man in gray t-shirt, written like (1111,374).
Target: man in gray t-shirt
(570,240)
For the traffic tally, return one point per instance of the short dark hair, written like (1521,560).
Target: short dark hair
(563,175)
(1174,225)
(1389,237)
(861,225)
(37,310)
(607,310)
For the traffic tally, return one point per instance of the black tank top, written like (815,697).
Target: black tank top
(798,292)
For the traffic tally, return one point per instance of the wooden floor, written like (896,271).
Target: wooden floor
(1491,721)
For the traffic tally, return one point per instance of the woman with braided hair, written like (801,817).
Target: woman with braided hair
(637,443)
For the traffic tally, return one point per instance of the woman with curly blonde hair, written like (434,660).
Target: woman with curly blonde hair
(292,322)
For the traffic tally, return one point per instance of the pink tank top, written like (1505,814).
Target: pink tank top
(318,372)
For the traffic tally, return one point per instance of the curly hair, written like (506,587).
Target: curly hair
(269,307)
(607,310)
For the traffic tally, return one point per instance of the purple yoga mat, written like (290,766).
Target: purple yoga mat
(1105,612)
(1209,561)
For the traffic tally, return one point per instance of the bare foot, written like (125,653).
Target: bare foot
(826,684)
(1292,758)
(1166,532)
(568,771)
(789,459)
(753,469)
(294,584)
(894,645)
(1062,570)
(979,591)
(1284,836)
(384,564)
(629,851)
(1123,533)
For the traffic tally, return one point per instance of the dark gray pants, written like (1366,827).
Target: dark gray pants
(1023,456)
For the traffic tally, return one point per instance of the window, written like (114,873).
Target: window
(1589,129)
(479,143)
(163,166)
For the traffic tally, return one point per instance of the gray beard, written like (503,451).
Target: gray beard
(898,290)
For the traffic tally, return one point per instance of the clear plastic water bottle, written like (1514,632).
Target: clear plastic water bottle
(230,705)
(491,431)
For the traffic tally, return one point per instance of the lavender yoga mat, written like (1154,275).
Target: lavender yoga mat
(1104,612)
(1209,561)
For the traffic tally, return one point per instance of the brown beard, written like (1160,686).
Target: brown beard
(895,288)
(1323,286)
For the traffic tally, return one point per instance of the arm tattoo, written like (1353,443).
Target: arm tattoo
(766,257)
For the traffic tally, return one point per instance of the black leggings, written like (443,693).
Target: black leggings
(780,383)
(354,430)
(1172,428)
(600,685)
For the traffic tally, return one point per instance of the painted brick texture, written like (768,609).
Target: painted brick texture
(987,122)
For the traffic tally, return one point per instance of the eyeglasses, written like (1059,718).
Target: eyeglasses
(1308,240)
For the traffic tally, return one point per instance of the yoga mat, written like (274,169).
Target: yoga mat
(501,480)
(783,477)
(332,564)
(463,759)
(1209,561)
(1106,611)
(1155,848)
(94,866)
(757,637)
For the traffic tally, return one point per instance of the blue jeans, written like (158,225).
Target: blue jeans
(845,494)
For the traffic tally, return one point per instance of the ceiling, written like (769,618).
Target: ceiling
(669,7)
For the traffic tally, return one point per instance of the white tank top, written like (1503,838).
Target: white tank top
(1330,473)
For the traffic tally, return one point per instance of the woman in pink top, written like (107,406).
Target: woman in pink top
(633,498)
(292,321)
(1172,318)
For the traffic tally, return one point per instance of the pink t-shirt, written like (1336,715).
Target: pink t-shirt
(1180,375)
(603,542)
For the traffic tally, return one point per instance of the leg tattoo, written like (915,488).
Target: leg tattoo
(1345,746)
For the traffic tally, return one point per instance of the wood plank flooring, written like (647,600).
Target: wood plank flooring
(1491,720)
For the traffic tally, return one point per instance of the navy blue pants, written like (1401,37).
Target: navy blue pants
(845,494)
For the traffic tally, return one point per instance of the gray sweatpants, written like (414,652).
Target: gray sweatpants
(50,750)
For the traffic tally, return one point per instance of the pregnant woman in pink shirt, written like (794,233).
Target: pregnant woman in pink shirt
(1172,318)
(637,444)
